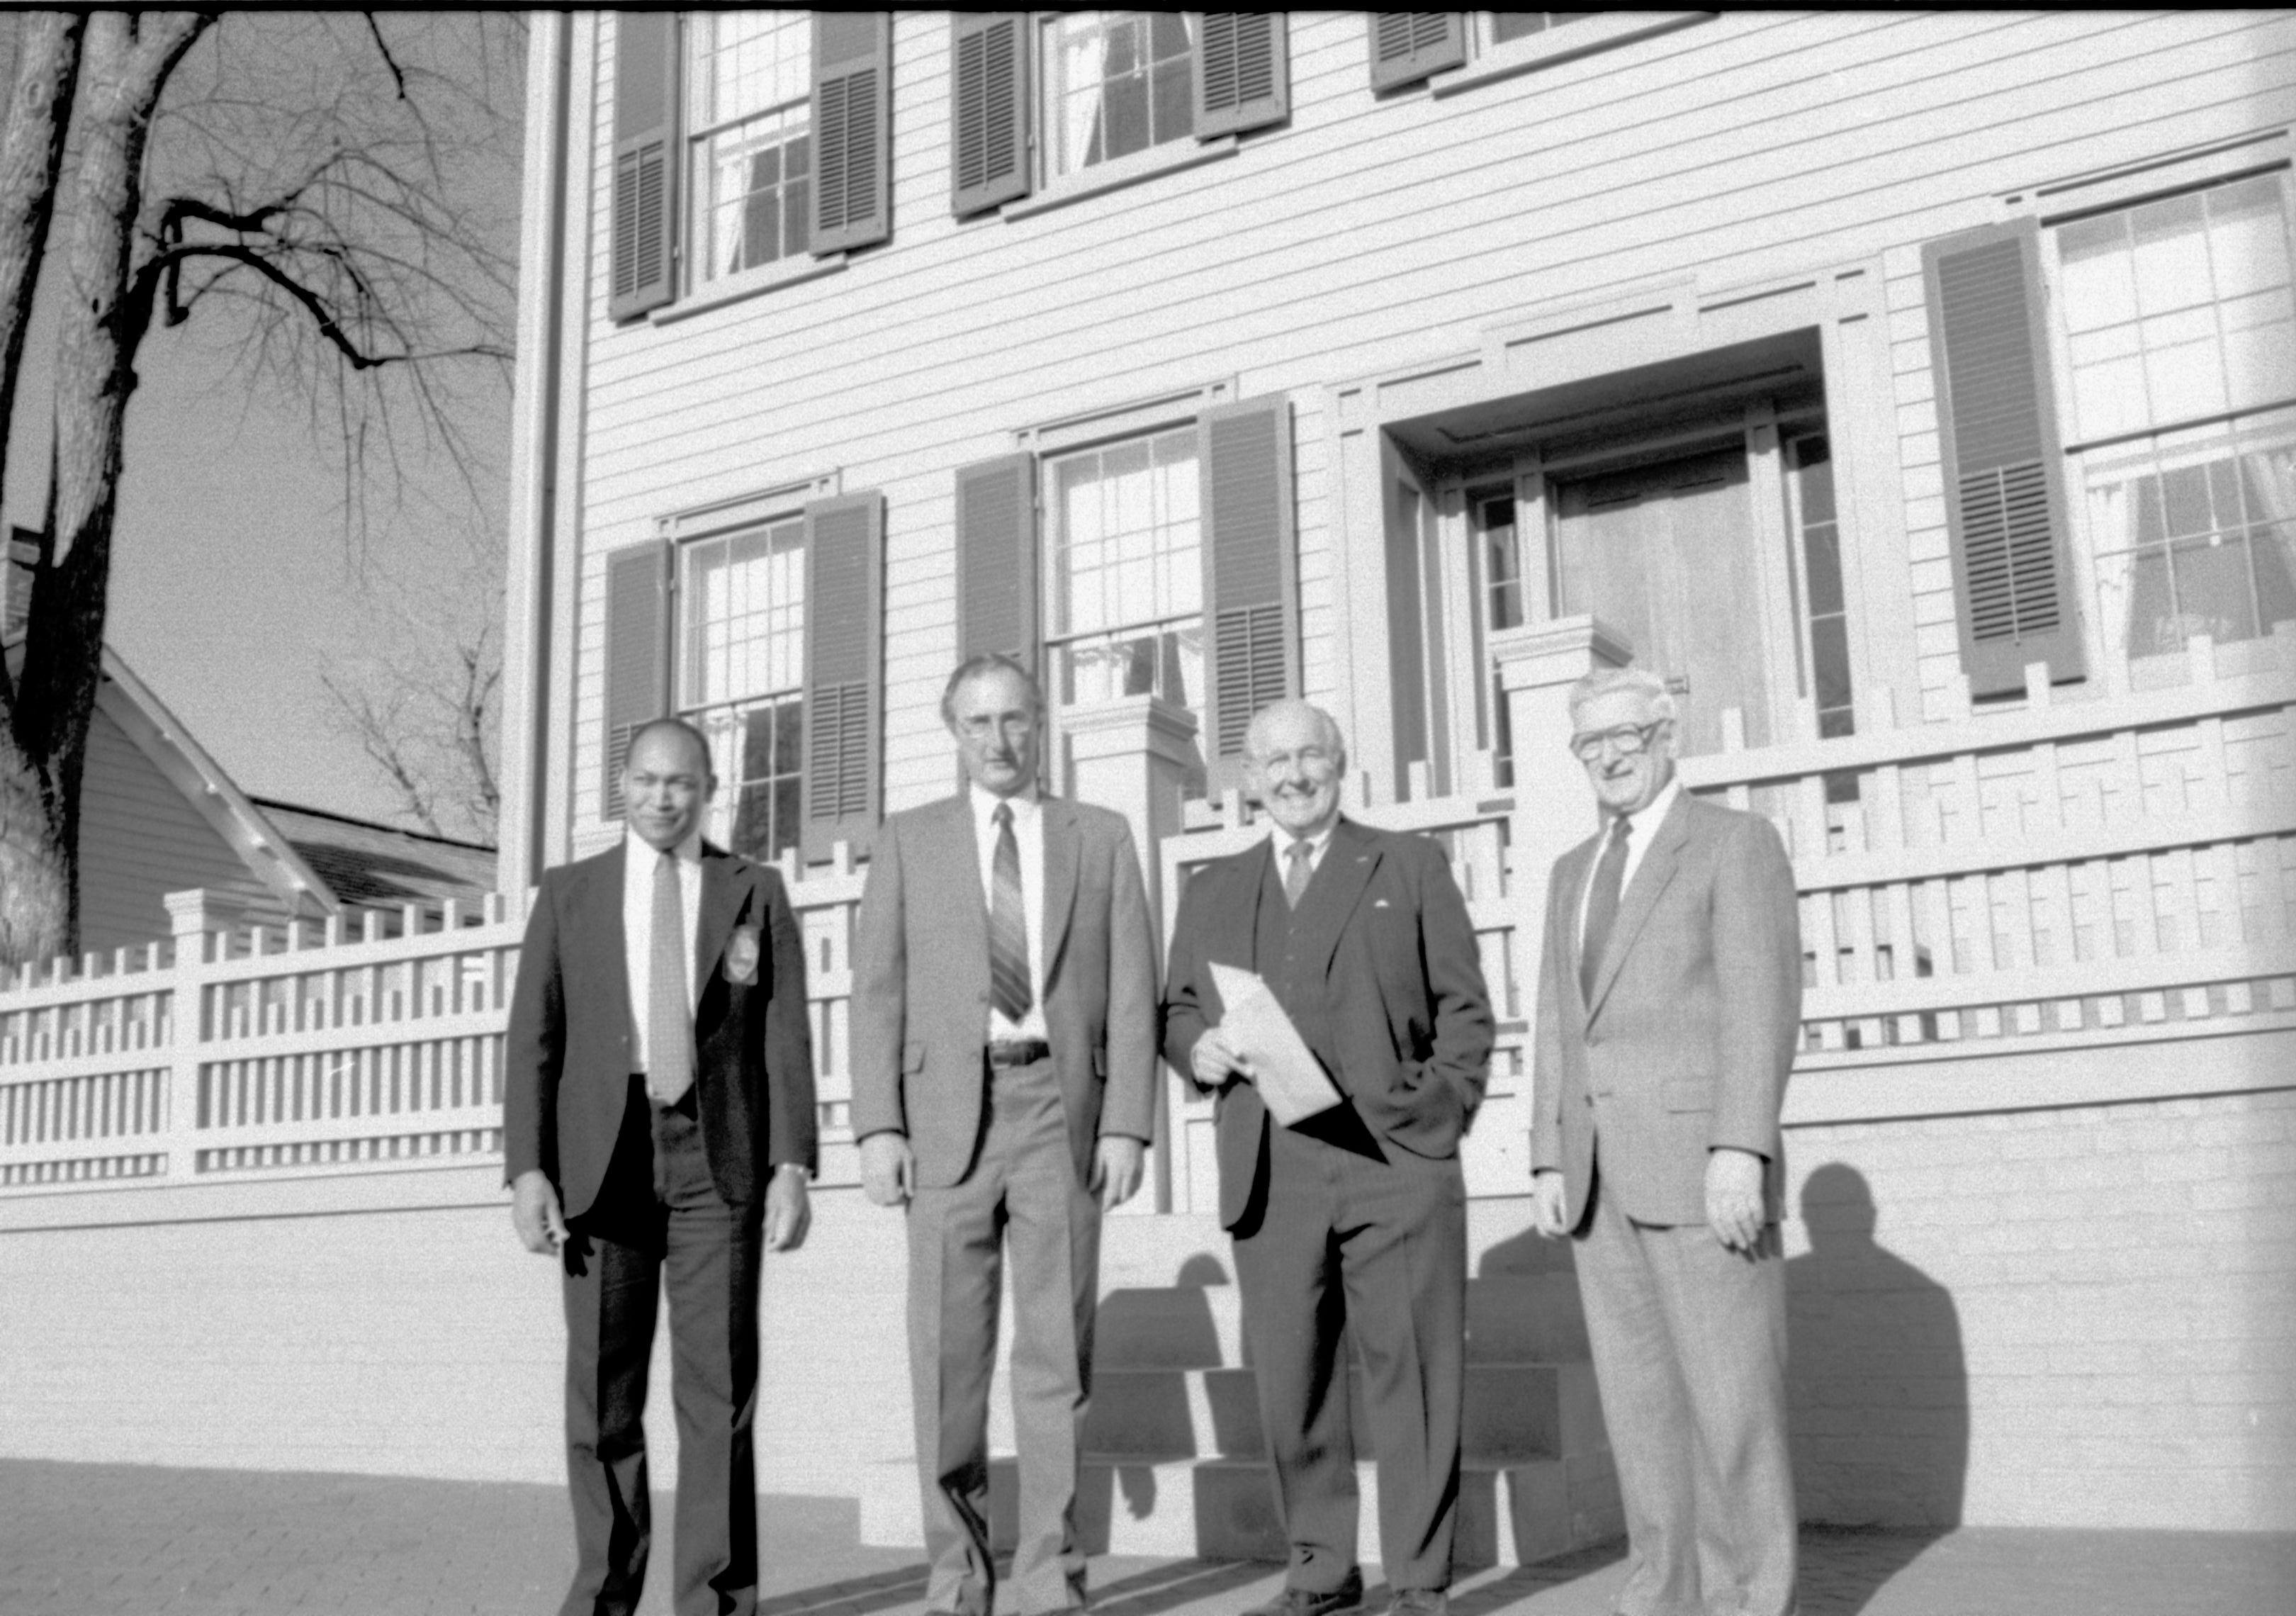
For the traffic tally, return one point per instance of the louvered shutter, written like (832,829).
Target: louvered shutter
(645,162)
(989,77)
(997,558)
(1243,72)
(1406,47)
(2004,463)
(852,130)
(637,656)
(1251,653)
(844,622)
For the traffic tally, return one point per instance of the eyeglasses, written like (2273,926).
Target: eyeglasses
(1626,740)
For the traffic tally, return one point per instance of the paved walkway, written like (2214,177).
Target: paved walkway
(122,1540)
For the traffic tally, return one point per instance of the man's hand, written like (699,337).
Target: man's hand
(1734,1197)
(534,1212)
(1550,1204)
(1116,1168)
(788,1213)
(1215,1061)
(888,1168)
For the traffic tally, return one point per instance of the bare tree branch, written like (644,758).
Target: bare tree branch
(374,31)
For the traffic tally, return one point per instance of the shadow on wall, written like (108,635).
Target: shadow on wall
(1879,1387)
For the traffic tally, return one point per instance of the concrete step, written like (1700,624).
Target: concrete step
(1224,1509)
(1514,1413)
(1533,1318)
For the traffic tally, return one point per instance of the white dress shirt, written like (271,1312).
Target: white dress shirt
(638,862)
(1646,821)
(1029,832)
(1282,841)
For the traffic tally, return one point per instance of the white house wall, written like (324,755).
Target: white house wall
(1367,235)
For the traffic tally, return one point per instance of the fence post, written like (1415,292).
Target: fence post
(191,915)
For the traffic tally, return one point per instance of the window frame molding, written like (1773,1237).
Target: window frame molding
(1118,173)
(1491,61)
(1091,429)
(775,501)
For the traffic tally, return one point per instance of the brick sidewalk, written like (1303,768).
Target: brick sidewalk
(122,1540)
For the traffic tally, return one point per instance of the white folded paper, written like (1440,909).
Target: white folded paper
(1291,1081)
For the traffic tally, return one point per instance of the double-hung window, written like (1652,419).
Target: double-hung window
(1458,49)
(1124,571)
(745,144)
(749,140)
(2179,328)
(1157,563)
(1115,83)
(742,679)
(763,629)
(1074,101)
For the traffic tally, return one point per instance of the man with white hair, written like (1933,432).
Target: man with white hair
(1352,1222)
(1670,1005)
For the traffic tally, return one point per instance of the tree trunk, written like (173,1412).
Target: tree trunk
(106,310)
(36,889)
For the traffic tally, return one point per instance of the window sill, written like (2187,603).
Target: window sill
(749,284)
(1601,32)
(1170,158)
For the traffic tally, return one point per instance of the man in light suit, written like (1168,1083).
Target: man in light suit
(1669,1009)
(658,1126)
(1003,1065)
(1353,1221)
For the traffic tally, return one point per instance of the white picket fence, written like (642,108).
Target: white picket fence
(2106,870)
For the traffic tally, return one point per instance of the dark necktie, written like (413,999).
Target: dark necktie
(1008,928)
(1602,905)
(669,1023)
(1295,878)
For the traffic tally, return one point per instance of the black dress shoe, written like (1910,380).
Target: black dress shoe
(1307,1602)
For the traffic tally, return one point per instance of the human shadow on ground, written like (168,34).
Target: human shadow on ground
(1879,1397)
(1146,1593)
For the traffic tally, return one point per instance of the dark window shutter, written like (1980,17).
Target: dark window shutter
(2003,464)
(844,689)
(1244,72)
(637,656)
(989,77)
(1406,47)
(997,558)
(1252,651)
(645,162)
(852,129)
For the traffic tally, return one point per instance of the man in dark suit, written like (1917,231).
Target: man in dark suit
(1669,1006)
(1354,1220)
(658,1126)
(1003,1071)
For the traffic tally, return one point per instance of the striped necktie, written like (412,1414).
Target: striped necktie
(1008,929)
(1602,905)
(1295,879)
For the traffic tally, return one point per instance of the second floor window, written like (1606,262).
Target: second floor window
(1125,572)
(1115,83)
(748,112)
(742,678)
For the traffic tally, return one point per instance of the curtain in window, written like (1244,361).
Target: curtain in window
(1084,61)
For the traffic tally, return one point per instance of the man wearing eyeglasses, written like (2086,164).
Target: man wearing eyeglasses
(1669,1008)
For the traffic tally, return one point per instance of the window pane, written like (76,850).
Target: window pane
(2195,534)
(1120,84)
(742,611)
(1523,25)
(746,62)
(2179,309)
(756,811)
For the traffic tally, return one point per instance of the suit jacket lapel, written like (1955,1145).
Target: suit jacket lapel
(1330,898)
(599,904)
(956,848)
(1642,895)
(722,891)
(1062,853)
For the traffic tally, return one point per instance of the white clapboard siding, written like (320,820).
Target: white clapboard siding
(1365,235)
